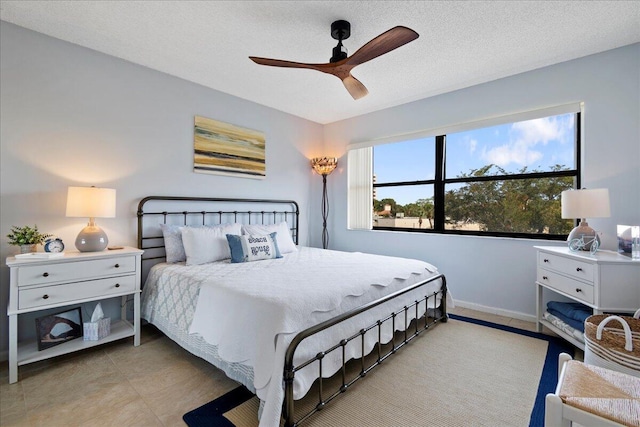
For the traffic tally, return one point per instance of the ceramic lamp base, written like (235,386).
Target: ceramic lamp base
(586,233)
(91,239)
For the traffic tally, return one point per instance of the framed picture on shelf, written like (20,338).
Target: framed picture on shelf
(626,235)
(58,328)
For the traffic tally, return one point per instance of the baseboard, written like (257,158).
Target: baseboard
(494,310)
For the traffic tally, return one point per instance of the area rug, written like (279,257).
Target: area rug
(465,372)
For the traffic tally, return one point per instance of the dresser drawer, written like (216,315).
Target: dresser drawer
(56,294)
(75,271)
(572,267)
(574,288)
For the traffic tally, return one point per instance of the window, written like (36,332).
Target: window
(500,179)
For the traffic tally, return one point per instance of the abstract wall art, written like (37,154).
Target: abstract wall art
(224,149)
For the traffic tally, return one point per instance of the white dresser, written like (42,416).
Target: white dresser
(39,284)
(606,282)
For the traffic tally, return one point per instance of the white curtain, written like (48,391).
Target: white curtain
(360,184)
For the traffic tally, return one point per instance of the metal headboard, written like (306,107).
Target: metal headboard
(178,210)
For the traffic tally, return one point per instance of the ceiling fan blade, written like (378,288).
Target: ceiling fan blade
(355,88)
(385,42)
(282,63)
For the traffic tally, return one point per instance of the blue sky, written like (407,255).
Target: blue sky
(537,144)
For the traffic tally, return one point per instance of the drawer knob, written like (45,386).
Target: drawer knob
(117,285)
(45,274)
(45,296)
(117,265)
(546,260)
(578,290)
(578,269)
(545,278)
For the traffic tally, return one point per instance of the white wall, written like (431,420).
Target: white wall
(73,116)
(495,272)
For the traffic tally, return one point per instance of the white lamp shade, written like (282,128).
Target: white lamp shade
(592,203)
(91,202)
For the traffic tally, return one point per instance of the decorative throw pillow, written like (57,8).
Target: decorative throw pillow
(207,244)
(247,248)
(173,242)
(285,241)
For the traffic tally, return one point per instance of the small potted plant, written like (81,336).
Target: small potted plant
(26,237)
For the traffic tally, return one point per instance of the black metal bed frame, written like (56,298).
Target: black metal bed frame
(291,214)
(439,315)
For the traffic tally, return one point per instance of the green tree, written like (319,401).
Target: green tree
(379,205)
(422,209)
(518,205)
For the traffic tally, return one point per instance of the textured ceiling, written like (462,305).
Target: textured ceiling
(460,43)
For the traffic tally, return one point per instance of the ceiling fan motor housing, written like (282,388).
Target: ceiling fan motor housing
(340,30)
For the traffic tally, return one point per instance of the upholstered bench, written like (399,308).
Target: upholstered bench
(592,396)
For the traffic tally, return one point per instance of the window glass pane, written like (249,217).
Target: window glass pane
(511,206)
(409,206)
(540,145)
(404,161)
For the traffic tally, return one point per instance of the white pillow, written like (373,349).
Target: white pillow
(284,239)
(173,242)
(208,244)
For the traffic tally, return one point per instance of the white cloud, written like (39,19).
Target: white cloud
(544,130)
(473,143)
(524,137)
(506,154)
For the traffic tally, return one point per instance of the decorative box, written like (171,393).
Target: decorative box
(94,331)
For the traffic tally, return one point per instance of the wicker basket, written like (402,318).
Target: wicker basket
(613,342)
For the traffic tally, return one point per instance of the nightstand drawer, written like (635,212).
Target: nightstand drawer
(571,267)
(56,294)
(574,288)
(75,271)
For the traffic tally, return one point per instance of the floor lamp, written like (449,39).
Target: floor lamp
(324,166)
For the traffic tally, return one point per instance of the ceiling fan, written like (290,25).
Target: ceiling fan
(340,65)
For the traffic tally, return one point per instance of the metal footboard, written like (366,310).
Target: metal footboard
(439,315)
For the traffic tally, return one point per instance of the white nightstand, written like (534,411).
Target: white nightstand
(606,282)
(39,284)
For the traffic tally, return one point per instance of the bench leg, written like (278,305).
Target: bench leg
(553,412)
(562,359)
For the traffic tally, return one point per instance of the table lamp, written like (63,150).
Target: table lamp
(91,202)
(585,204)
(324,166)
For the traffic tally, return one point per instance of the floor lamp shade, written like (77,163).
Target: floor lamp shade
(583,204)
(92,203)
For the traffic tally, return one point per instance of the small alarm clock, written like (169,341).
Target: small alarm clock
(53,245)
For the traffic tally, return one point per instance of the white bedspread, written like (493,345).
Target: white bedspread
(251,311)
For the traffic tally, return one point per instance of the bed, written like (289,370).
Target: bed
(281,324)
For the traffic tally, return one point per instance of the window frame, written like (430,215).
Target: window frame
(440,181)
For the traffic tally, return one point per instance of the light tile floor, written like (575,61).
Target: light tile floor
(120,385)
